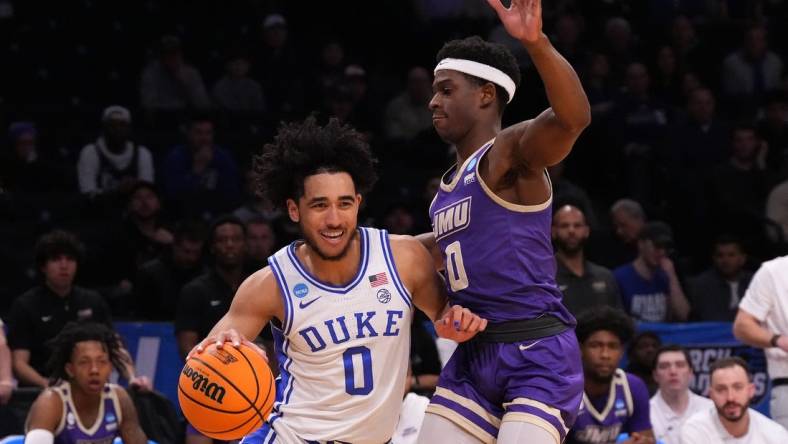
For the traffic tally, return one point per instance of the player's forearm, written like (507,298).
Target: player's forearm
(749,331)
(678,301)
(28,375)
(564,90)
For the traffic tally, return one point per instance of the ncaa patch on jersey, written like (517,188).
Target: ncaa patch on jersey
(384,296)
(300,290)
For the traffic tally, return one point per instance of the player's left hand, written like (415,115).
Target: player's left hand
(459,324)
(522,20)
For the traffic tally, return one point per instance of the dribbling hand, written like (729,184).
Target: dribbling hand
(230,335)
(459,324)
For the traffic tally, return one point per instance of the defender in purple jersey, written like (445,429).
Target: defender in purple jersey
(81,406)
(614,402)
(521,381)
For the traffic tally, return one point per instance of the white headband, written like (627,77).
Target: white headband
(480,70)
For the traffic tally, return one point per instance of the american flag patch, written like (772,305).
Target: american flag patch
(378,279)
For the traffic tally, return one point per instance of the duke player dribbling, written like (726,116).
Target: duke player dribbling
(340,300)
(521,380)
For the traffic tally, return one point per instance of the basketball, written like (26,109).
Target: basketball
(226,393)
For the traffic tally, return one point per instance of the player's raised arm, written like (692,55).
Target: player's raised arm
(257,301)
(548,138)
(428,291)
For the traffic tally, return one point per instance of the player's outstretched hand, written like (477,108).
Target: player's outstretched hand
(522,20)
(230,335)
(459,324)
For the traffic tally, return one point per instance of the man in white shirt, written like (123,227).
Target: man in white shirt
(674,402)
(114,162)
(762,321)
(731,420)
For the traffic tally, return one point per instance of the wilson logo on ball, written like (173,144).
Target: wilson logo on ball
(201,383)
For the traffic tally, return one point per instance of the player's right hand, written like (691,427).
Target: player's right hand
(230,335)
(459,324)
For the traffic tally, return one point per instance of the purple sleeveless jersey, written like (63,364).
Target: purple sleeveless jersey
(624,410)
(499,256)
(103,431)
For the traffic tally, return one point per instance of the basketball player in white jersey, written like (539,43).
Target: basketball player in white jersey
(340,301)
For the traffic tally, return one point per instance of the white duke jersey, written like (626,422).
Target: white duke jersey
(343,351)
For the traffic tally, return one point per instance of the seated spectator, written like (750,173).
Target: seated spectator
(201,175)
(674,402)
(398,219)
(584,284)
(641,354)
(26,169)
(83,358)
(777,209)
(260,243)
(567,192)
(8,422)
(114,162)
(40,314)
(731,419)
(170,84)
(773,128)
(649,286)
(407,115)
(159,281)
(207,298)
(715,294)
(277,66)
(236,91)
(628,220)
(614,401)
(753,70)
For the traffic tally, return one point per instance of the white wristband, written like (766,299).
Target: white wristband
(39,436)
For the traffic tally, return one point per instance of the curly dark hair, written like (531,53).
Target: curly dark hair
(63,344)
(302,149)
(604,318)
(56,243)
(478,50)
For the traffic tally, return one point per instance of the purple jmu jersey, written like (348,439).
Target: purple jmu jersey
(103,431)
(625,409)
(498,255)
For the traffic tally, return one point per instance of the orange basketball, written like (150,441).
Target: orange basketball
(226,393)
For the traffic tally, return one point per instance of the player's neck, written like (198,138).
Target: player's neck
(475,138)
(677,401)
(595,388)
(336,272)
(739,428)
(87,405)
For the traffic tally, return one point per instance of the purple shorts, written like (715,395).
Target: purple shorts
(537,381)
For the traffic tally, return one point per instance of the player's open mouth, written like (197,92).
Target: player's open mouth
(332,236)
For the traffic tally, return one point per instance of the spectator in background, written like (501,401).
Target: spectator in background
(200,174)
(364,116)
(715,294)
(762,321)
(9,424)
(260,243)
(39,314)
(236,92)
(399,219)
(159,282)
(277,67)
(753,70)
(777,210)
(700,142)
(614,401)
(169,83)
(731,420)
(620,46)
(329,74)
(407,115)
(620,247)
(598,85)
(667,76)
(114,162)
(567,192)
(25,169)
(674,402)
(254,206)
(207,298)
(739,186)
(641,355)
(649,286)
(773,128)
(584,284)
